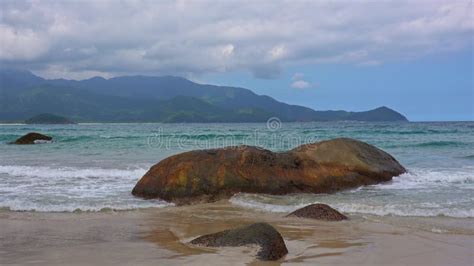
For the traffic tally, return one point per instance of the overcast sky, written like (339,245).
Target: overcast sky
(414,56)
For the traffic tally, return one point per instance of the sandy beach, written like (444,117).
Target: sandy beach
(214,133)
(159,237)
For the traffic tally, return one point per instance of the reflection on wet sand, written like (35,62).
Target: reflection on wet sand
(306,239)
(160,237)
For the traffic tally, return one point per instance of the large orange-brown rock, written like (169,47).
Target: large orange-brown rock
(323,167)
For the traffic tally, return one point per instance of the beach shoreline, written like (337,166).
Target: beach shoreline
(70,202)
(159,236)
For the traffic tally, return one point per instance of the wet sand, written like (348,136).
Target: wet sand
(159,237)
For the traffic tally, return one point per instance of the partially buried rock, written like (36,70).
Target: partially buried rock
(271,243)
(319,212)
(33,138)
(323,167)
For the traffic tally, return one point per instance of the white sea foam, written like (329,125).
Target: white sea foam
(69,189)
(424,178)
(357,208)
(21,205)
(420,192)
(403,210)
(42,141)
(243,201)
(69,172)
(438,230)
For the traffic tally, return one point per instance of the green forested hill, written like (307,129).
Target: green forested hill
(153,99)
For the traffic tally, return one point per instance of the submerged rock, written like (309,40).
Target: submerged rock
(323,167)
(271,243)
(319,212)
(32,138)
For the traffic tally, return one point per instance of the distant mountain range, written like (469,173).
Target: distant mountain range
(153,99)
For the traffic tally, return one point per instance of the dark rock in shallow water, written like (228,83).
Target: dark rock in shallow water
(323,167)
(272,245)
(32,138)
(319,212)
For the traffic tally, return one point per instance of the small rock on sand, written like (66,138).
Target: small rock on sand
(319,212)
(271,243)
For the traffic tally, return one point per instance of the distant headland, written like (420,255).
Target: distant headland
(48,119)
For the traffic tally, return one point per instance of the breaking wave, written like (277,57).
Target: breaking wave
(420,192)
(70,189)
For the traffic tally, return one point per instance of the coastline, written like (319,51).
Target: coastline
(86,215)
(159,236)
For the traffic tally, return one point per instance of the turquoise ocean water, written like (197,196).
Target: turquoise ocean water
(93,167)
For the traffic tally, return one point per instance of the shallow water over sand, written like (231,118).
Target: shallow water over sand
(159,236)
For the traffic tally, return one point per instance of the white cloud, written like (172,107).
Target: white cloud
(277,52)
(20,45)
(195,37)
(227,50)
(300,84)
